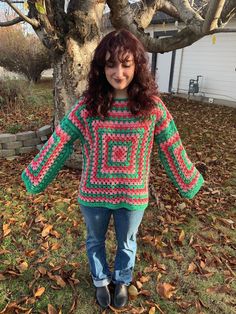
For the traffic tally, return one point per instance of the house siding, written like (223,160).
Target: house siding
(215,62)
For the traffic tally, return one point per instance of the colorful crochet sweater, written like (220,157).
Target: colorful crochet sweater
(116,156)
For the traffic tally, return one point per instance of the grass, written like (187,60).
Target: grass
(38,99)
(200,265)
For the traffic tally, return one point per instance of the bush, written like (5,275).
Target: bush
(23,53)
(13,93)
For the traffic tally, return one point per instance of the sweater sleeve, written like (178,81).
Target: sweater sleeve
(54,153)
(181,171)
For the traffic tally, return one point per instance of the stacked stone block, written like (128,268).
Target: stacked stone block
(23,142)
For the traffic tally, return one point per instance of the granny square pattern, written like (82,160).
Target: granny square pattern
(116,154)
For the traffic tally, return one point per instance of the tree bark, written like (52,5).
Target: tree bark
(70,71)
(71,35)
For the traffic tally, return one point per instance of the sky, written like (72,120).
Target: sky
(6,9)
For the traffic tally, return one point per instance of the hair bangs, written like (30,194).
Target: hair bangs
(121,54)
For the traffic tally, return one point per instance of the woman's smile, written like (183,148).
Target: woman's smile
(120,73)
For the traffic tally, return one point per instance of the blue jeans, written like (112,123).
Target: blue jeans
(126,227)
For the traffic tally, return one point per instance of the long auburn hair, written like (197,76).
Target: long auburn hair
(99,93)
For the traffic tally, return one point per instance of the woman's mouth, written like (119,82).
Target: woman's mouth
(118,80)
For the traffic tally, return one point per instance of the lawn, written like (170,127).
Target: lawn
(186,260)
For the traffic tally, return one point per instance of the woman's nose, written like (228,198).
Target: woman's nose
(119,71)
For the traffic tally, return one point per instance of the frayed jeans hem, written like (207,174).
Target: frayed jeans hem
(102,282)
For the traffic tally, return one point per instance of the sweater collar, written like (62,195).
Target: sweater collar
(120,99)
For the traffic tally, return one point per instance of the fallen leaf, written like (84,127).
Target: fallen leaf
(181,236)
(13,307)
(40,218)
(73,306)
(30,253)
(23,266)
(12,273)
(133,292)
(228,222)
(4,252)
(215,192)
(191,267)
(30,300)
(38,199)
(51,309)
(182,206)
(152,310)
(39,292)
(139,284)
(46,230)
(55,234)
(147,293)
(59,281)
(184,305)
(42,270)
(144,279)
(45,245)
(219,289)
(165,290)
(55,246)
(6,229)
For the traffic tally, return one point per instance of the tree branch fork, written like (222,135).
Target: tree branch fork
(136,17)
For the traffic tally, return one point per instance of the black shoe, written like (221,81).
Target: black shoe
(120,295)
(103,296)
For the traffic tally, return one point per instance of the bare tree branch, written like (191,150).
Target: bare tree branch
(32,22)
(86,18)
(125,18)
(82,21)
(45,32)
(56,15)
(189,16)
(122,15)
(169,9)
(222,30)
(213,15)
(184,38)
(12,1)
(12,22)
(229,11)
(148,8)
(145,13)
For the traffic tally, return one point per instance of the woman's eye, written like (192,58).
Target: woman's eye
(126,65)
(110,65)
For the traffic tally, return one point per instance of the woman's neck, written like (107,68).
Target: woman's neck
(120,94)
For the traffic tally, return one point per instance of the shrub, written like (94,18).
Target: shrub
(13,93)
(23,53)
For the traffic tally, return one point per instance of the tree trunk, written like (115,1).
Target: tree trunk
(70,72)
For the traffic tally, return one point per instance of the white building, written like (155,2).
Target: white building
(213,58)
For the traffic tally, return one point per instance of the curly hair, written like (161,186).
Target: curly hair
(99,93)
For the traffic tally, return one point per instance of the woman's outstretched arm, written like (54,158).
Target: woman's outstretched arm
(182,172)
(54,153)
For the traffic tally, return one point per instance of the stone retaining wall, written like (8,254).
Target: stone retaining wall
(23,142)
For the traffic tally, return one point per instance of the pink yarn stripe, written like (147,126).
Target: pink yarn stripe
(165,148)
(64,138)
(37,162)
(116,200)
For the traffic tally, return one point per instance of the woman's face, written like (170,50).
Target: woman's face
(120,74)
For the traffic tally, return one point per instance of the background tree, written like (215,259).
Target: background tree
(23,53)
(72,32)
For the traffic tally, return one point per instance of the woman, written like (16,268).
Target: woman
(117,120)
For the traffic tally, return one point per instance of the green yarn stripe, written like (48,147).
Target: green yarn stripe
(119,179)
